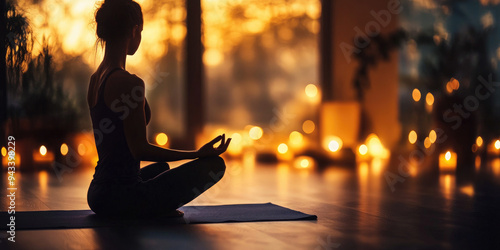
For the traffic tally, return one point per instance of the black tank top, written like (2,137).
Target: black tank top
(116,164)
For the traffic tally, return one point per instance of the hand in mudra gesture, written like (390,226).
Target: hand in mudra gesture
(209,149)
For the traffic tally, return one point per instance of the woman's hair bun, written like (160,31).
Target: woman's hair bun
(115,19)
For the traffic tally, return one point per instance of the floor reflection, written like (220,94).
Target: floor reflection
(355,204)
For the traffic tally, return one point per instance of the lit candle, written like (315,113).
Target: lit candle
(283,152)
(42,155)
(448,161)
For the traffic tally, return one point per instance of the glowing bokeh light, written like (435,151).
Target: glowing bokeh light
(308,126)
(212,57)
(235,146)
(334,143)
(161,139)
(282,148)
(64,149)
(479,141)
(363,149)
(497,144)
(311,90)
(427,142)
(374,145)
(412,137)
(416,95)
(82,150)
(43,150)
(429,99)
(4,151)
(432,136)
(296,138)
(304,162)
(255,133)
(447,156)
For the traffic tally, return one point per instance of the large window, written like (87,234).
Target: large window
(259,58)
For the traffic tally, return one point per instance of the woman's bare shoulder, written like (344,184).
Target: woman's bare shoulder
(126,79)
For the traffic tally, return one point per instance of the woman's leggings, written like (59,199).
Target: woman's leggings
(162,189)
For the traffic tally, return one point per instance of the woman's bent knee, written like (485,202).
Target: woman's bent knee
(217,167)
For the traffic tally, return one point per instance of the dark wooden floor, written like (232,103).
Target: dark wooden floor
(356,209)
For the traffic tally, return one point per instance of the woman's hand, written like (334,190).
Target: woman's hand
(209,150)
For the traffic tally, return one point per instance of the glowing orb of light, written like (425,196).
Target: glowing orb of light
(82,149)
(43,150)
(479,141)
(282,148)
(296,138)
(416,95)
(255,133)
(311,90)
(432,136)
(308,126)
(429,99)
(363,149)
(161,139)
(334,143)
(64,149)
(412,137)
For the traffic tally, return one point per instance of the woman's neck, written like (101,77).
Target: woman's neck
(115,55)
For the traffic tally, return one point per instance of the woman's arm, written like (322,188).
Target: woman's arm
(134,123)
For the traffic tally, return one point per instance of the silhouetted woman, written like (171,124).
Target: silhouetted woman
(120,113)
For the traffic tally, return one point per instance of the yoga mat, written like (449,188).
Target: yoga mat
(64,219)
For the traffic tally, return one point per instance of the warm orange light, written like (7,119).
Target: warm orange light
(64,149)
(448,161)
(447,156)
(468,190)
(416,95)
(308,126)
(479,141)
(82,149)
(432,136)
(429,99)
(311,90)
(454,84)
(333,143)
(449,89)
(236,138)
(43,150)
(212,57)
(412,137)
(255,133)
(374,144)
(303,162)
(427,142)
(161,139)
(4,151)
(296,138)
(236,144)
(282,148)
(497,144)
(363,149)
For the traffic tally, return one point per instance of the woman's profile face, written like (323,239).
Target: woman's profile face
(135,40)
